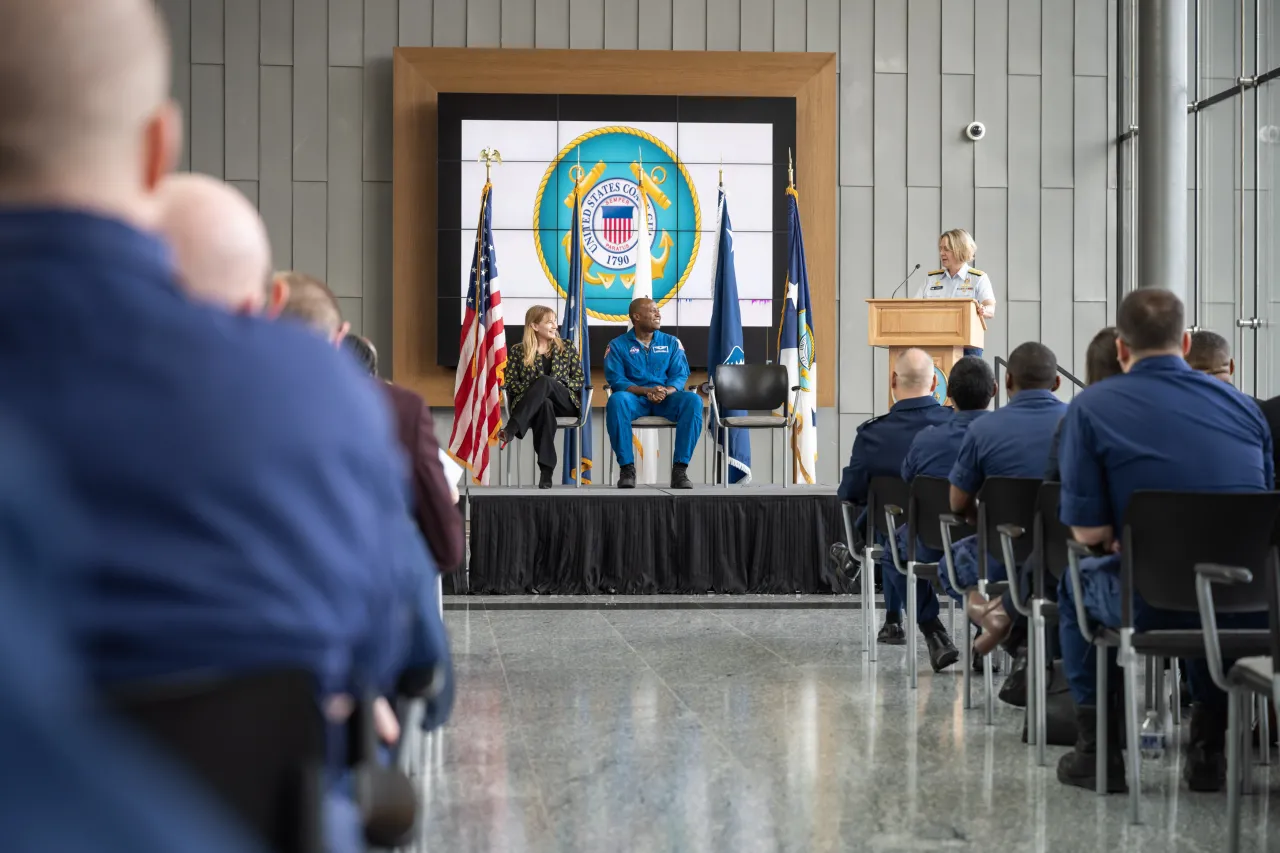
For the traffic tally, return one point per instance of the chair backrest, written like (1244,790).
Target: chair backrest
(1167,533)
(1051,534)
(1007,500)
(256,741)
(1273,605)
(931,498)
(883,491)
(760,387)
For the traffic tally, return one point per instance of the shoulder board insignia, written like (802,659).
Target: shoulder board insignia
(935,272)
(978,273)
(868,422)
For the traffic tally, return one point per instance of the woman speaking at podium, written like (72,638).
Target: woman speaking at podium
(958,280)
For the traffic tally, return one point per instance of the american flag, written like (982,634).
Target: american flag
(477,414)
(617,223)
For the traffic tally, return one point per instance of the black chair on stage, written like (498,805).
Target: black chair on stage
(642,422)
(928,501)
(1166,536)
(1001,501)
(1250,678)
(751,388)
(575,424)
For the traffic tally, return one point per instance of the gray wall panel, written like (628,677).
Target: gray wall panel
(310,89)
(621,24)
(924,206)
(550,23)
(277,32)
(879,380)
(757,25)
(1089,319)
(177,16)
(416,23)
(958,48)
(890,129)
(1024,188)
(586,24)
(346,32)
(655,24)
(857,89)
(346,191)
(1219,204)
(1024,36)
(1092,142)
(991,224)
(380,32)
(1056,270)
(207,137)
(789,26)
(275,188)
(241,81)
(1091,27)
(249,189)
(957,152)
(689,24)
(857,230)
(891,36)
(924,93)
(723,24)
(449,28)
(1057,93)
(823,27)
(377,267)
(484,23)
(1024,323)
(207,20)
(829,461)
(352,313)
(310,205)
(991,92)
(889,255)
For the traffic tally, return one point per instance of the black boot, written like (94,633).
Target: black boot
(627,477)
(1078,767)
(680,477)
(1014,690)
(942,652)
(1206,767)
(544,476)
(891,633)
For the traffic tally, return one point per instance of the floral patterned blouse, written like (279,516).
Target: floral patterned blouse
(566,366)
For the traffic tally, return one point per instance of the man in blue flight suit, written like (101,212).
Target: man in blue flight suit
(1209,437)
(878,451)
(1012,442)
(646,369)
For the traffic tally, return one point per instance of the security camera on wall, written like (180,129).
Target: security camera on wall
(975,130)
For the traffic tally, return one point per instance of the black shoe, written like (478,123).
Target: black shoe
(891,634)
(1014,690)
(544,476)
(1079,767)
(942,652)
(680,477)
(627,477)
(1206,766)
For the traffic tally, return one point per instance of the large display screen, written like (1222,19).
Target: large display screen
(678,148)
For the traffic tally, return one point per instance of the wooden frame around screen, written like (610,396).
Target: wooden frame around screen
(422,73)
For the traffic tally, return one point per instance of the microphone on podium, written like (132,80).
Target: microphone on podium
(904,281)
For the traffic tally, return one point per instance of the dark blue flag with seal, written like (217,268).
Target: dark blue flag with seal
(724,340)
(573,329)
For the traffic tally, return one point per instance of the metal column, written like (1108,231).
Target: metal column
(1162,145)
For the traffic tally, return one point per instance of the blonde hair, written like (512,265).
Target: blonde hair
(536,314)
(960,244)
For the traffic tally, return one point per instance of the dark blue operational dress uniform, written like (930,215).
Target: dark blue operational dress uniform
(660,363)
(1012,441)
(879,449)
(1162,425)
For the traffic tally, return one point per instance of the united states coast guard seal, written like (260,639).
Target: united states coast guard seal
(615,165)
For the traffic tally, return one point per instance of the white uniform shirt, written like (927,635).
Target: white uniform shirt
(968,283)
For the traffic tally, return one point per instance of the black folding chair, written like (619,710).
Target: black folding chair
(1166,536)
(1050,547)
(751,387)
(575,424)
(881,492)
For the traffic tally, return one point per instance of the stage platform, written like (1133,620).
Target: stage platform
(654,540)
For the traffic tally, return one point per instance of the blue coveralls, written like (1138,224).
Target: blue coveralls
(1162,425)
(660,363)
(878,451)
(1013,441)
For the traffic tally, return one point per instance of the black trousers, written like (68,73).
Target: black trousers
(546,400)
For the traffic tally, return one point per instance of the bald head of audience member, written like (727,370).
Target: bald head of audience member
(1211,353)
(1150,322)
(913,375)
(310,300)
(85,115)
(219,242)
(1032,367)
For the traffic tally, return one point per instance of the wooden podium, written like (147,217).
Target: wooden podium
(940,327)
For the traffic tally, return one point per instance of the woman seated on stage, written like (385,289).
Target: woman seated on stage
(543,382)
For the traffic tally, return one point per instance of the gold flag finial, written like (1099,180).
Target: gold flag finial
(721,171)
(791,170)
(489,156)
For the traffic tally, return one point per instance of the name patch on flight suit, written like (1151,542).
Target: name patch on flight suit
(937,286)
(662,349)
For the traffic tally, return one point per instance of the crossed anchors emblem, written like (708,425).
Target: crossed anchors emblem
(650,183)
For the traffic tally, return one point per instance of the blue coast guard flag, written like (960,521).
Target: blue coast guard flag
(574,330)
(796,349)
(724,340)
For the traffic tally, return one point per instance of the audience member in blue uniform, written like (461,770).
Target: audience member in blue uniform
(1012,441)
(879,449)
(1100,363)
(1210,437)
(646,369)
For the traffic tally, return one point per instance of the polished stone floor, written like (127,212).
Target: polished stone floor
(741,730)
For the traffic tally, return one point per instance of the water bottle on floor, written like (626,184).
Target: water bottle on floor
(1151,738)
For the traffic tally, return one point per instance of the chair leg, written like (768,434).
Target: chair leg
(912,673)
(1175,697)
(988,686)
(868,604)
(1042,677)
(966,660)
(1033,690)
(1100,706)
(954,610)
(1133,756)
(1264,731)
(1234,741)
(1246,744)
